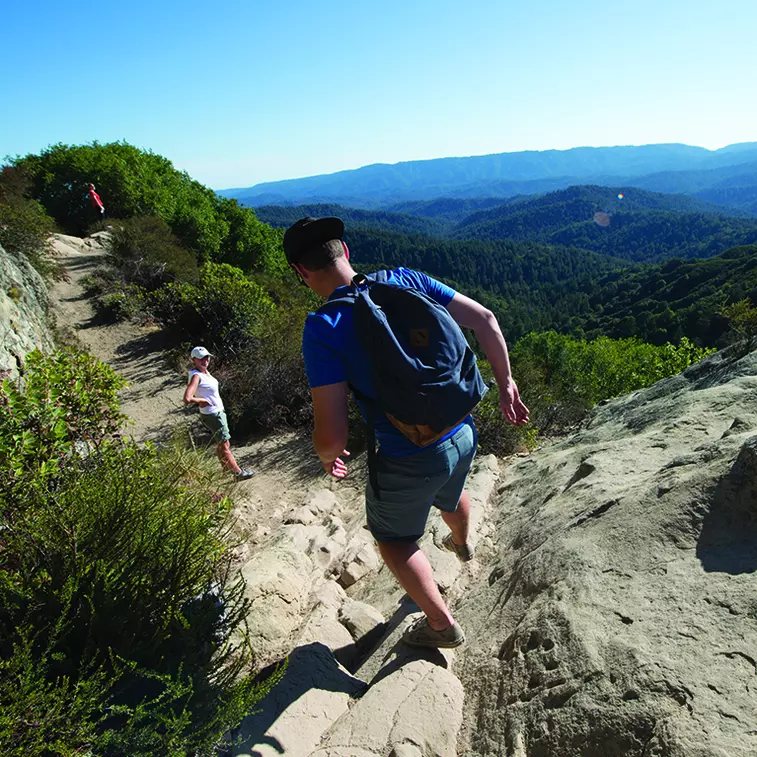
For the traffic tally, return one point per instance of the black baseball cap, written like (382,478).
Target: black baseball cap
(310,232)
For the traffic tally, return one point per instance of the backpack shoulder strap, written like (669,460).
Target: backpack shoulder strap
(359,280)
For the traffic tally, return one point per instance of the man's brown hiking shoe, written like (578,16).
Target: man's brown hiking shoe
(464,552)
(420,634)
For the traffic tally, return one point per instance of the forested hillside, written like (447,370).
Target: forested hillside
(624,222)
(734,186)
(621,222)
(572,280)
(674,299)
(138,183)
(450,210)
(282,216)
(533,287)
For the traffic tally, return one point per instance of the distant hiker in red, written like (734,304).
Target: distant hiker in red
(97,203)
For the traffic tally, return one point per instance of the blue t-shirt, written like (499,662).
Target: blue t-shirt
(333,353)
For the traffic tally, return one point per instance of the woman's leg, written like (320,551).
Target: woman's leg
(228,462)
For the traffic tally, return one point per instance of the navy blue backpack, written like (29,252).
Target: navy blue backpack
(424,372)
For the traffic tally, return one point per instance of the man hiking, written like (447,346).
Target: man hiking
(410,474)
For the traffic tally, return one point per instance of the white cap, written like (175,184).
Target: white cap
(200,352)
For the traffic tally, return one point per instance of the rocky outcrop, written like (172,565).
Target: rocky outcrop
(351,689)
(24,303)
(619,616)
(611,609)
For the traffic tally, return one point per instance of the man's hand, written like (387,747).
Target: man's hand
(336,468)
(511,404)
(202,402)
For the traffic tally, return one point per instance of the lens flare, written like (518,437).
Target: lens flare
(601,218)
(620,195)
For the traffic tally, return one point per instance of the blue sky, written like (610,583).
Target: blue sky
(240,91)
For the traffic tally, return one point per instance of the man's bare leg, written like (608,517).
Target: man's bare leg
(459,521)
(413,571)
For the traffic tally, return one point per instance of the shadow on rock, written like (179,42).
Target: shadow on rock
(313,683)
(390,654)
(294,456)
(728,539)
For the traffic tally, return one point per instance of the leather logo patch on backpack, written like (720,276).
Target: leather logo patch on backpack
(419,337)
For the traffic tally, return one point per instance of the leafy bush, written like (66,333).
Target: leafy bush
(742,316)
(117,604)
(496,435)
(134,182)
(266,386)
(24,225)
(147,253)
(224,311)
(561,378)
(66,397)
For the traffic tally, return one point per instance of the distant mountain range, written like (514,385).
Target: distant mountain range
(727,176)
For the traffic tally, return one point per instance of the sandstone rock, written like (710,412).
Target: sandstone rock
(303,515)
(328,545)
(293,718)
(278,581)
(618,616)
(323,626)
(323,541)
(359,618)
(406,750)
(330,594)
(301,536)
(23,312)
(322,502)
(364,562)
(419,702)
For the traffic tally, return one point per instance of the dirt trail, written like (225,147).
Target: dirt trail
(153,398)
(286,467)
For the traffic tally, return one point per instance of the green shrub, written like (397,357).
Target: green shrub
(136,183)
(561,378)
(225,310)
(65,398)
(147,253)
(250,244)
(265,386)
(496,435)
(742,316)
(24,225)
(117,601)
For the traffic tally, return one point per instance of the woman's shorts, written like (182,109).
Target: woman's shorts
(218,426)
(411,486)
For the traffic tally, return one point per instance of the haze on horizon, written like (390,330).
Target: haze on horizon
(254,92)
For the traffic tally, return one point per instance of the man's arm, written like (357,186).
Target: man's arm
(331,426)
(474,315)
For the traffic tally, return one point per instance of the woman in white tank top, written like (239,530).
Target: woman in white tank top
(202,390)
